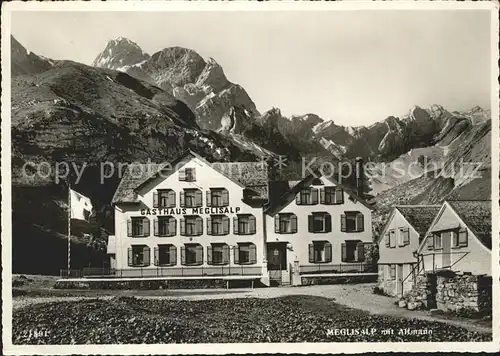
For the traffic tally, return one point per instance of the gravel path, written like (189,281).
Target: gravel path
(358,296)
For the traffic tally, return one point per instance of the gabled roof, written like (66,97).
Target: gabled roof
(250,175)
(420,217)
(476,214)
(296,186)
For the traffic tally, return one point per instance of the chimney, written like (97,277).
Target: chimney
(359,176)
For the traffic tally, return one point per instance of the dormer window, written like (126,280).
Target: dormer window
(307,196)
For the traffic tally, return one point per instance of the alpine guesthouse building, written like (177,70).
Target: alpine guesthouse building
(195,219)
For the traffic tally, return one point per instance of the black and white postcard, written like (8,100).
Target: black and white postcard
(249,177)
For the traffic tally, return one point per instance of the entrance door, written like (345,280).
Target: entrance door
(446,256)
(276,261)
(399,280)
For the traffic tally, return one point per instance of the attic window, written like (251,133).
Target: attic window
(317,181)
(187,175)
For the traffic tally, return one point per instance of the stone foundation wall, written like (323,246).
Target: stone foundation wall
(422,295)
(308,281)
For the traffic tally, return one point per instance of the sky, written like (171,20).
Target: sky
(353,67)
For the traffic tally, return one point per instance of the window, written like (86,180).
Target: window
(285,223)
(164,198)
(320,222)
(245,253)
(438,242)
(352,221)
(192,255)
(191,225)
(166,255)
(218,254)
(191,198)
(138,227)
(403,236)
(320,252)
(165,226)
(307,196)
(244,224)
(138,256)
(217,197)
(332,195)
(218,225)
(187,175)
(353,251)
(392,272)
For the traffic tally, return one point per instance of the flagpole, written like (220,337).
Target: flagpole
(69,228)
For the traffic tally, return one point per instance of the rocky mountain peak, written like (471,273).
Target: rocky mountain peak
(120,53)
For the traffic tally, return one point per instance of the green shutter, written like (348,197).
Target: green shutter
(198,198)
(209,226)
(328,252)
(430,242)
(182,175)
(155,227)
(183,227)
(156,258)
(311,253)
(344,252)
(360,222)
(129,227)
(209,255)
(146,258)
(314,196)
(225,225)
(406,236)
(182,200)
(462,238)
(235,225)
(172,226)
(225,197)
(343,223)
(361,251)
(236,251)
(277,223)
(171,199)
(328,223)
(173,255)
(322,195)
(155,199)
(253,253)
(293,223)
(225,254)
(145,227)
(208,195)
(130,261)
(183,255)
(387,240)
(199,226)
(252,223)
(310,223)
(339,196)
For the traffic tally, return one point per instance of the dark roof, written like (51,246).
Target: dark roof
(420,217)
(251,175)
(476,214)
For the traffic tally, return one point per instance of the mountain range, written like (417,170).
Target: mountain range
(131,106)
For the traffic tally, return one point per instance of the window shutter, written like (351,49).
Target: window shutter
(344,252)
(235,225)
(183,227)
(198,196)
(209,198)
(342,223)
(155,199)
(129,227)
(253,253)
(172,229)
(146,257)
(171,199)
(182,175)
(209,226)
(156,257)
(252,223)
(430,242)
(173,255)
(322,195)
(328,252)
(225,254)
(155,227)
(387,240)
(145,227)
(209,255)
(236,254)
(293,222)
(225,197)
(314,196)
(199,226)
(406,236)
(361,251)
(462,238)
(225,225)
(183,255)
(193,173)
(360,222)
(277,223)
(182,199)
(310,223)
(297,199)
(339,196)
(393,271)
(328,223)
(311,253)
(130,257)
